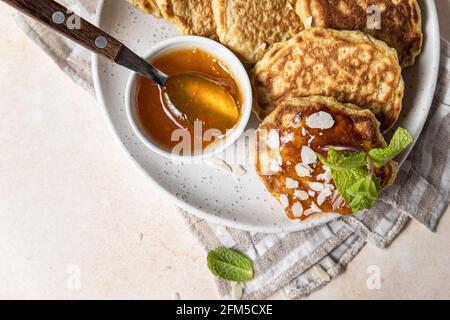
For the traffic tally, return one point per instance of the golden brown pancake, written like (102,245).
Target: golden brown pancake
(285,147)
(400,28)
(191,17)
(251,27)
(348,65)
(147,6)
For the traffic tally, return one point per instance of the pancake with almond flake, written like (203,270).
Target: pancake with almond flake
(398,23)
(347,65)
(147,6)
(251,27)
(288,140)
(191,17)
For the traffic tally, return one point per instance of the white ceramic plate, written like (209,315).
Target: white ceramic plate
(205,191)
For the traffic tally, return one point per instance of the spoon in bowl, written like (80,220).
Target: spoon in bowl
(188,95)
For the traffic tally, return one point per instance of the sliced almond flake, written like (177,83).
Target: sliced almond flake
(297,210)
(338,203)
(308,22)
(275,164)
(311,193)
(221,230)
(219,164)
(329,186)
(273,140)
(284,200)
(291,183)
(304,132)
(316,186)
(274,167)
(319,273)
(301,195)
(335,195)
(288,137)
(308,155)
(320,120)
(280,160)
(303,170)
(323,196)
(239,171)
(236,291)
(297,120)
(311,140)
(321,176)
(326,176)
(315,207)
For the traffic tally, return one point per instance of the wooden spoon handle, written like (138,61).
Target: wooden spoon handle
(70,25)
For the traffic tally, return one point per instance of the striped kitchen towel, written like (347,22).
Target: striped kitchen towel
(301,262)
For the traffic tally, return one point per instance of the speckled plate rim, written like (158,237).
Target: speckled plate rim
(431,15)
(433,18)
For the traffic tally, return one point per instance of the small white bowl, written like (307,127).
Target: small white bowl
(235,67)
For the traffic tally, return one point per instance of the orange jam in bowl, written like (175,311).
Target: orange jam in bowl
(162,126)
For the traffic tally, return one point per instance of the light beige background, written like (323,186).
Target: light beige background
(77,220)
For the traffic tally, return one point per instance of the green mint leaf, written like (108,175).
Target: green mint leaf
(343,160)
(322,159)
(364,192)
(355,160)
(345,178)
(400,141)
(230,265)
(335,156)
(346,169)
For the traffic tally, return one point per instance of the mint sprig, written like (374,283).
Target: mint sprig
(364,192)
(352,172)
(344,179)
(343,160)
(228,264)
(399,142)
